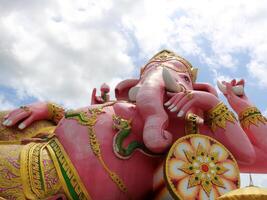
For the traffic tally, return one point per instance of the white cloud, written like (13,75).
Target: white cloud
(4,104)
(258,69)
(63,54)
(228,27)
(59,50)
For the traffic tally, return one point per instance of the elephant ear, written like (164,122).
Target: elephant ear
(122,89)
(205,87)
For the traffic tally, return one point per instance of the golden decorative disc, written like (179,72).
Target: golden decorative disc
(199,167)
(246,193)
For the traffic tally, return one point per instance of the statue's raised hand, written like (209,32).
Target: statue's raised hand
(182,102)
(26,115)
(104,95)
(237,101)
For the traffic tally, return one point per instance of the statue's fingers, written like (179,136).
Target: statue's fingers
(8,120)
(241,82)
(170,101)
(233,82)
(93,100)
(181,103)
(26,122)
(229,90)
(185,108)
(172,107)
(6,117)
(18,117)
(99,99)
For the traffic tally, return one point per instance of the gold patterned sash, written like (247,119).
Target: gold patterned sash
(33,172)
(69,178)
(38,175)
(29,153)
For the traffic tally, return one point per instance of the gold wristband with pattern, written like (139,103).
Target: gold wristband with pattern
(251,115)
(218,116)
(56,112)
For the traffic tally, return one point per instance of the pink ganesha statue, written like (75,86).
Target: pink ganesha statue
(165,136)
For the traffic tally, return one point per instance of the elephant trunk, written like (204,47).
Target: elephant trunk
(149,101)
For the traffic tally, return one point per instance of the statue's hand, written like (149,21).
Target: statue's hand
(26,115)
(182,102)
(238,103)
(96,99)
(104,95)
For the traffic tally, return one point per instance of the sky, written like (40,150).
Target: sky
(60,50)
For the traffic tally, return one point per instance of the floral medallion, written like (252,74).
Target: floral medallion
(199,167)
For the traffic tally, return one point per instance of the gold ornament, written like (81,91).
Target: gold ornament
(197,167)
(189,94)
(191,126)
(38,174)
(251,115)
(10,176)
(25,108)
(166,55)
(56,112)
(218,116)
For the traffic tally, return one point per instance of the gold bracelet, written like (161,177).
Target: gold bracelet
(251,115)
(191,126)
(218,116)
(56,112)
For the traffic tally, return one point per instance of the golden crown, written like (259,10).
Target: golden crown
(166,55)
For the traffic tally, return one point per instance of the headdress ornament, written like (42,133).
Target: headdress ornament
(166,55)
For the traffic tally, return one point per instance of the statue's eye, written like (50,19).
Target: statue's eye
(186,79)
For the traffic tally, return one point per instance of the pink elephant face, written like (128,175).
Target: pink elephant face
(180,73)
(177,69)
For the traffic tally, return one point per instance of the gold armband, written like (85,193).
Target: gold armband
(56,112)
(251,115)
(218,116)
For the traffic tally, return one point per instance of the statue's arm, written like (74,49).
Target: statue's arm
(224,127)
(219,121)
(26,115)
(251,120)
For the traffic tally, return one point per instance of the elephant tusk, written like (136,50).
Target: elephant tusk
(170,84)
(238,89)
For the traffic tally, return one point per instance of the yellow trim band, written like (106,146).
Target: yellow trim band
(218,116)
(251,115)
(65,168)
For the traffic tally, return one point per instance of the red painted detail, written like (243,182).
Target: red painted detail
(205,168)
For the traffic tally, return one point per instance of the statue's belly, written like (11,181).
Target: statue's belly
(95,170)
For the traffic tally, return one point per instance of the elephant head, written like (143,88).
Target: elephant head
(166,71)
